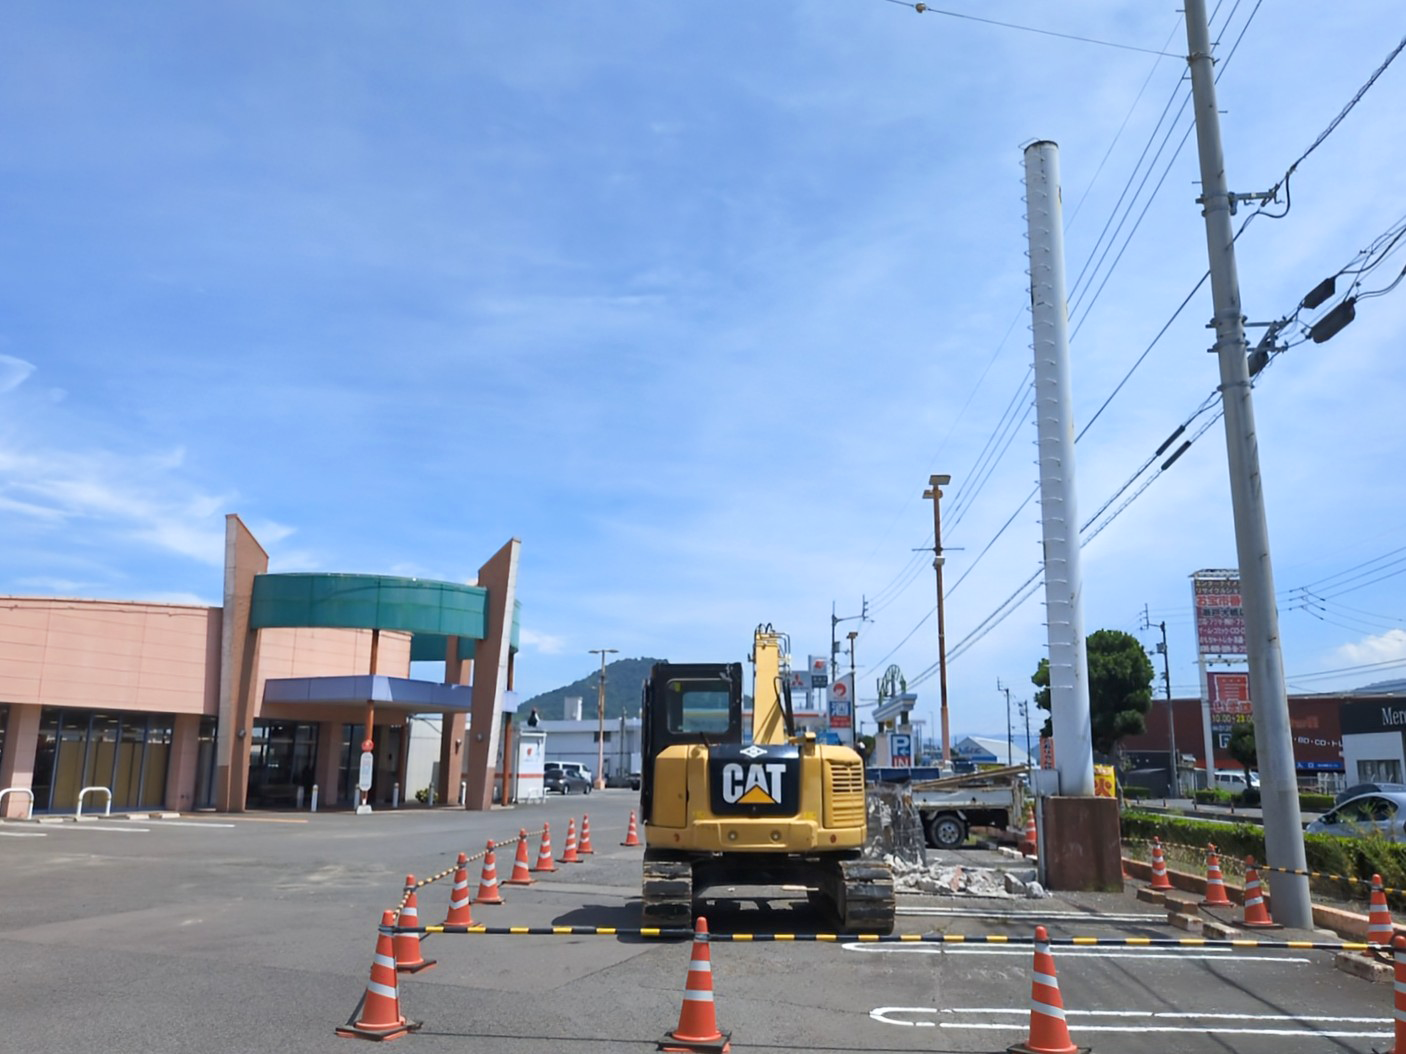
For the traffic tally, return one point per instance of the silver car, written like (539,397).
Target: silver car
(1366,815)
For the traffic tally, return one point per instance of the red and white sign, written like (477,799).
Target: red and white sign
(842,702)
(1220,619)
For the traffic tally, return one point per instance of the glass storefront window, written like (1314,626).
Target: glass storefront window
(282,761)
(126,753)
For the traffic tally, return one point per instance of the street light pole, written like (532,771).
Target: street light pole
(852,636)
(934,491)
(600,716)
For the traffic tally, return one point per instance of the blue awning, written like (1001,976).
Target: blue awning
(397,693)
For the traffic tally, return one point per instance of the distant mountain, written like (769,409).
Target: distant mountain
(624,682)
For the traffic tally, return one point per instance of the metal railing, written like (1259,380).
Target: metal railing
(107,811)
(17,790)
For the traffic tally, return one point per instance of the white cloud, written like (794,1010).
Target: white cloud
(13,372)
(545,643)
(1383,647)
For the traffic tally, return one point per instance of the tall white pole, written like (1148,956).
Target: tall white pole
(1283,827)
(1059,520)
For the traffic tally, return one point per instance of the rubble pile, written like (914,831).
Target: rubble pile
(960,881)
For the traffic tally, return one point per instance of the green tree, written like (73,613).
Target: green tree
(1242,747)
(1120,687)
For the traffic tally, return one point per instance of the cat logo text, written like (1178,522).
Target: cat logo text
(756,784)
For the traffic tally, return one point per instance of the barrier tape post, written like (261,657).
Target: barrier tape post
(521,875)
(1215,882)
(1256,914)
(544,855)
(408,958)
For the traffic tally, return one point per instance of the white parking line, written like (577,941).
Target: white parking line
(1274,1025)
(1075,951)
(85,826)
(190,823)
(23,834)
(1030,916)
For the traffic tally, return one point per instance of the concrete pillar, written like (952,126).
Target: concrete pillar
(329,763)
(491,661)
(17,763)
(184,759)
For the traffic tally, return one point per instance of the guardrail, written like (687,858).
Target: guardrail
(20,790)
(107,811)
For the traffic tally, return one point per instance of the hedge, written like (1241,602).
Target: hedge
(1356,857)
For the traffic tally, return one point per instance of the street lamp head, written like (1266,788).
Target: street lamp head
(852,634)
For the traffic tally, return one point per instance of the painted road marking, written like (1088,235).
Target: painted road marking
(24,834)
(1077,951)
(85,826)
(1036,916)
(190,823)
(1274,1024)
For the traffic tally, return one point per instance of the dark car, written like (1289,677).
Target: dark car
(559,780)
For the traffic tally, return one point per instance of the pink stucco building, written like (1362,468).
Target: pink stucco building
(250,704)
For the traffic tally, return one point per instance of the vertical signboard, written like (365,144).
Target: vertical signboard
(1220,619)
(1230,703)
(842,702)
(819,671)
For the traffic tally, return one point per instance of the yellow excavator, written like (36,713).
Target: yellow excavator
(772,808)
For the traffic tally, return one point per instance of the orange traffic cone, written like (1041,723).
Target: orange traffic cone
(460,913)
(1399,1040)
(568,855)
(1379,927)
(520,875)
(1030,845)
(544,855)
(632,836)
(1048,1032)
(1159,867)
(488,881)
(698,1025)
(380,1006)
(1256,914)
(1215,882)
(407,945)
(585,848)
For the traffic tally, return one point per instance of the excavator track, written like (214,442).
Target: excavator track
(861,895)
(667,890)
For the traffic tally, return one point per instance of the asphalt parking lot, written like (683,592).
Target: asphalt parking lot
(256,932)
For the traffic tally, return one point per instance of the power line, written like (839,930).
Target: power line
(924,8)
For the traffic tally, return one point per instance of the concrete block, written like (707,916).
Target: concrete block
(1182,921)
(1151,896)
(1369,969)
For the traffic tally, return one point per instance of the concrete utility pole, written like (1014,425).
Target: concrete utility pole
(934,491)
(1059,521)
(600,716)
(1283,827)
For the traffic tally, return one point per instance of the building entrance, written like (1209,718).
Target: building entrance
(282,764)
(390,755)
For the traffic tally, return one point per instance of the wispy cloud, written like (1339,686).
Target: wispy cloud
(1382,647)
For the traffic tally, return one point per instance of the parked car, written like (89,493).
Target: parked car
(1231,780)
(1370,788)
(563,780)
(1382,814)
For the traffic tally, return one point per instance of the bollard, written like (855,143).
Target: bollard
(431,795)
(314,798)
(463,791)
(298,798)
(395,795)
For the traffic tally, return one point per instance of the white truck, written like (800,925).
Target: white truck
(952,805)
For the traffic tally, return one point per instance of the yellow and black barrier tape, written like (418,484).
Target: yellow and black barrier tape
(440,875)
(1353,879)
(683,933)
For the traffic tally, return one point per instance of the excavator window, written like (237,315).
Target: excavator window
(695,709)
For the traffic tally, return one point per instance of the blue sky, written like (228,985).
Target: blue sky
(690,298)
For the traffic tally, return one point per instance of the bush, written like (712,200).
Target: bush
(1312,802)
(1213,796)
(1353,857)
(1249,796)
(1135,793)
